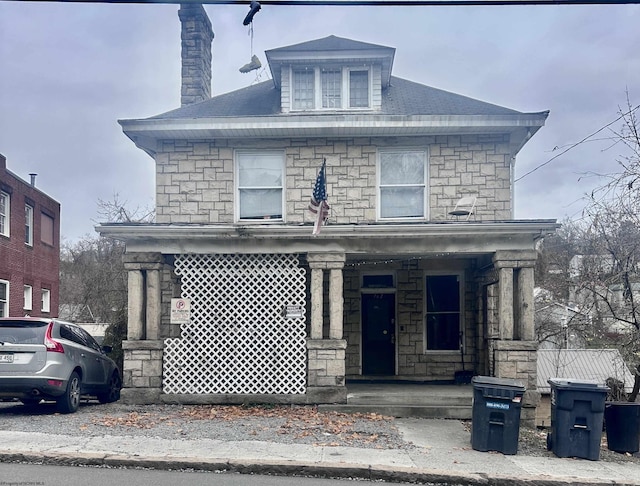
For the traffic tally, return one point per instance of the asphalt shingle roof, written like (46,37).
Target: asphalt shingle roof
(403,98)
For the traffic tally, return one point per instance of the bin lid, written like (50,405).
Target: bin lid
(497,382)
(575,384)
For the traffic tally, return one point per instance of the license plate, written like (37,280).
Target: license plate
(6,358)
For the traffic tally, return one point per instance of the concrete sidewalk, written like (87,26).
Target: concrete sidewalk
(444,456)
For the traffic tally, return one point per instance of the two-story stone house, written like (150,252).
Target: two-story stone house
(393,286)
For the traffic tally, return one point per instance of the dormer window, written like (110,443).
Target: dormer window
(338,88)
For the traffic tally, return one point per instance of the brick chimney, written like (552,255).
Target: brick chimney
(197,36)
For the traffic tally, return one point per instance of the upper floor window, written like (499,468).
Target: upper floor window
(303,92)
(358,89)
(28,298)
(5,219)
(402,188)
(46,300)
(46,229)
(336,88)
(28,219)
(260,191)
(4,298)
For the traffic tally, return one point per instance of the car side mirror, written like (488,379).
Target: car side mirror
(107,349)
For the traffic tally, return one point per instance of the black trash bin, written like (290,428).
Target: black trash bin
(577,411)
(495,422)
(622,422)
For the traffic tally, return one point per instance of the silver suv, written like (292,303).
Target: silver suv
(52,359)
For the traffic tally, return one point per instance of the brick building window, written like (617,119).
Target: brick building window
(5,217)
(260,177)
(402,187)
(4,298)
(46,229)
(28,221)
(28,298)
(46,300)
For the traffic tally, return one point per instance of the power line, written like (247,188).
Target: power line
(360,3)
(574,145)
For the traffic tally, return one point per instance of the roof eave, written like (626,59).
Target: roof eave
(147,132)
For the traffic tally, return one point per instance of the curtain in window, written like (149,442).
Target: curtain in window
(402,184)
(260,179)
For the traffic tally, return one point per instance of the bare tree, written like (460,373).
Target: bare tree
(610,269)
(93,281)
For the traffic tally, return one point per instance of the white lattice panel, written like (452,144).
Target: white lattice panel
(238,340)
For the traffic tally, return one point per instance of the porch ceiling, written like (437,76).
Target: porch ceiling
(358,241)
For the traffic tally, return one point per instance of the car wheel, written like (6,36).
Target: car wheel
(70,401)
(31,402)
(113,390)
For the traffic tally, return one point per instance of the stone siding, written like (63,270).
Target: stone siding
(195,180)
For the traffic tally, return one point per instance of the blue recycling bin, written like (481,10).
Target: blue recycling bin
(577,413)
(495,416)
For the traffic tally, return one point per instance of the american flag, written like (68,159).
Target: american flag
(318,204)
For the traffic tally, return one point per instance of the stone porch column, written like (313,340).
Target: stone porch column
(316,301)
(143,349)
(326,356)
(135,302)
(515,352)
(336,302)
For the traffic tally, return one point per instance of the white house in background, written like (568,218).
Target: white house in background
(394,287)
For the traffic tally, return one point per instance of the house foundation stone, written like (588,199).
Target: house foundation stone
(142,374)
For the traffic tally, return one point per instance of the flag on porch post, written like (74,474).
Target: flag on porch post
(318,204)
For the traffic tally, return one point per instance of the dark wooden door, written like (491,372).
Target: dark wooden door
(378,334)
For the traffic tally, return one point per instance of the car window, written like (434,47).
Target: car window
(69,333)
(18,332)
(89,340)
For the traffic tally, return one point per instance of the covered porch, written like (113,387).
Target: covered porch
(365,292)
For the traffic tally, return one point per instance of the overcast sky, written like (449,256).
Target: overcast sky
(68,72)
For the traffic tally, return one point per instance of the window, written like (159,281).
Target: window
(335,88)
(303,93)
(4,298)
(442,321)
(402,184)
(5,219)
(260,177)
(331,88)
(358,89)
(28,298)
(28,220)
(46,300)
(376,281)
(46,229)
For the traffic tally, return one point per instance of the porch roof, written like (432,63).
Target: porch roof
(437,239)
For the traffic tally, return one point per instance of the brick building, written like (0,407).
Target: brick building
(393,287)
(29,248)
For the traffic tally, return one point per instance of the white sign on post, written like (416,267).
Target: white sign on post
(180,311)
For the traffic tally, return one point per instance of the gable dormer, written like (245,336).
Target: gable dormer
(331,74)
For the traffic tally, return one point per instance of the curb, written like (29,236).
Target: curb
(293,468)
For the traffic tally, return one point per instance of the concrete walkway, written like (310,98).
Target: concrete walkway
(444,457)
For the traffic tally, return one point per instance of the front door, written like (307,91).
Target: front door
(378,334)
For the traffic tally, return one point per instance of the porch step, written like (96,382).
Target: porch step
(407,400)
(458,412)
